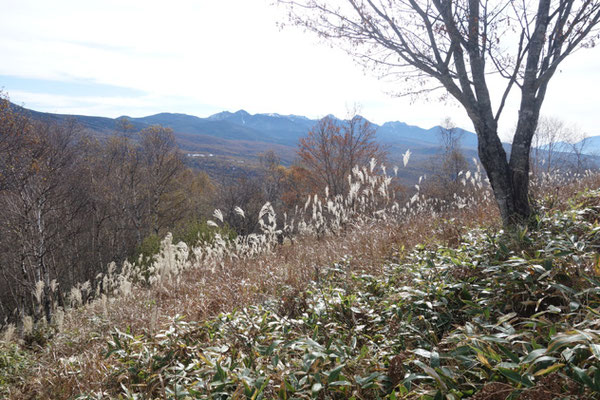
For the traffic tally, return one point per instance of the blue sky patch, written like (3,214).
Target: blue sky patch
(78,88)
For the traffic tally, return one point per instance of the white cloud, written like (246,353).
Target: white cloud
(228,54)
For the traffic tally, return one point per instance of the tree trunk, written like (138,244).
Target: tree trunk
(519,163)
(510,186)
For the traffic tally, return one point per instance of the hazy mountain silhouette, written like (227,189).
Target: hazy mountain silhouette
(266,128)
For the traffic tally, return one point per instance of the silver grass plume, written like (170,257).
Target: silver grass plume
(218,214)
(239,212)
(406,157)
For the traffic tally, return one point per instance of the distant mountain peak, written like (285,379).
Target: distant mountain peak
(395,124)
(226,115)
(291,117)
(220,116)
(361,118)
(170,114)
(294,116)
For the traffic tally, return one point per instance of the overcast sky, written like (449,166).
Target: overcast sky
(136,58)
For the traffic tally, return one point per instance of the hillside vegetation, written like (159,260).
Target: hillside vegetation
(433,305)
(488,318)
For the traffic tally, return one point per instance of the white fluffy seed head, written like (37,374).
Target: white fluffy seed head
(39,289)
(218,214)
(27,325)
(406,157)
(239,212)
(9,333)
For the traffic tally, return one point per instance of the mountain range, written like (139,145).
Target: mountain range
(228,140)
(284,130)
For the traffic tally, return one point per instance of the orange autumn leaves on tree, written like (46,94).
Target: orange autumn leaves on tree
(298,186)
(332,148)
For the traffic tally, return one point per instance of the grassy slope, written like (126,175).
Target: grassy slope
(483,314)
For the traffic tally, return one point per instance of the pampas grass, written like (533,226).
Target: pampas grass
(370,199)
(9,333)
(367,225)
(27,325)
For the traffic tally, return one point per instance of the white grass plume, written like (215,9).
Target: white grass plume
(239,212)
(406,157)
(218,215)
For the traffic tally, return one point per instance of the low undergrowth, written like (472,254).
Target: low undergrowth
(496,316)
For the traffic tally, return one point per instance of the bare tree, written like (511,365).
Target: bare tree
(558,146)
(14,130)
(583,158)
(163,163)
(273,177)
(453,161)
(450,135)
(70,204)
(444,182)
(245,191)
(332,148)
(549,145)
(124,127)
(455,45)
(38,213)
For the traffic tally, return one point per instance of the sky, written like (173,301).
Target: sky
(199,57)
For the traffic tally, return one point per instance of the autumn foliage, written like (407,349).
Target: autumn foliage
(71,203)
(332,148)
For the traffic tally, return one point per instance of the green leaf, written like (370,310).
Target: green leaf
(365,382)
(580,375)
(431,372)
(516,377)
(505,318)
(533,355)
(334,374)
(340,383)
(549,370)
(595,349)
(566,339)
(513,357)
(435,359)
(316,388)
(422,352)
